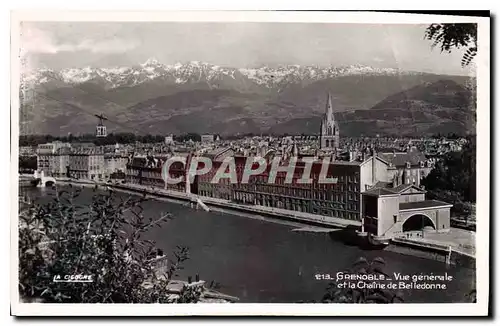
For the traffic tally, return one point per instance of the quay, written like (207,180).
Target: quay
(221,204)
(453,248)
(456,247)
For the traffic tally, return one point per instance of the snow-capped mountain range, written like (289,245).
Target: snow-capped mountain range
(196,72)
(205,98)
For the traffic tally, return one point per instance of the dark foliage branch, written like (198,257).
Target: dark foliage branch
(105,240)
(453,178)
(450,36)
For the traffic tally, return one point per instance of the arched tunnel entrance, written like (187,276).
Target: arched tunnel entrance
(417,222)
(49,183)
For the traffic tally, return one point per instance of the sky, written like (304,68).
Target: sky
(58,45)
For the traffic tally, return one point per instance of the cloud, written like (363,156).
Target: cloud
(377,59)
(34,40)
(104,46)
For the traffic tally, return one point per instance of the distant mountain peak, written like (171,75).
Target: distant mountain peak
(150,62)
(201,97)
(270,77)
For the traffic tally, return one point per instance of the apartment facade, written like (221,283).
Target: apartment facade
(87,163)
(408,167)
(45,153)
(340,200)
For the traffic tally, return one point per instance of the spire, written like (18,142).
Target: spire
(329,108)
(295,149)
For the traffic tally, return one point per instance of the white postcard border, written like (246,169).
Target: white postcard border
(483,170)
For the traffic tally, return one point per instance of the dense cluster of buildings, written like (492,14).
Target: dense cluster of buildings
(370,182)
(378,179)
(81,161)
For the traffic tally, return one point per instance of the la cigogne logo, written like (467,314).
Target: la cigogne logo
(73,278)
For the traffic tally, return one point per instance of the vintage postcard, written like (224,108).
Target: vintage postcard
(250,163)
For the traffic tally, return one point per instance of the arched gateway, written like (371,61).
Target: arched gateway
(417,222)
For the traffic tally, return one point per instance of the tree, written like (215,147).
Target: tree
(104,240)
(454,175)
(362,293)
(453,180)
(471,297)
(450,36)
(189,136)
(27,163)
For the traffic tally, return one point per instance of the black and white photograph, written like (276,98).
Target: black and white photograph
(206,161)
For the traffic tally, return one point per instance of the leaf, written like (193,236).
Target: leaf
(377,298)
(30,252)
(361,260)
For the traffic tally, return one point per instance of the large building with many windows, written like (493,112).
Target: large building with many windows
(115,165)
(87,163)
(59,163)
(45,153)
(407,167)
(149,171)
(146,171)
(79,160)
(341,199)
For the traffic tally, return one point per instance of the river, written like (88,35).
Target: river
(264,261)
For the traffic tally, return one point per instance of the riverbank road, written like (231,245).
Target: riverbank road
(257,209)
(460,240)
(327,221)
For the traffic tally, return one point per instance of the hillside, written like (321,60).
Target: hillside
(440,107)
(197,97)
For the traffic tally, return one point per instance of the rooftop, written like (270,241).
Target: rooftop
(405,186)
(379,192)
(400,159)
(384,188)
(423,204)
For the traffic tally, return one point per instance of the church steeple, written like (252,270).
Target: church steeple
(329,128)
(329,108)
